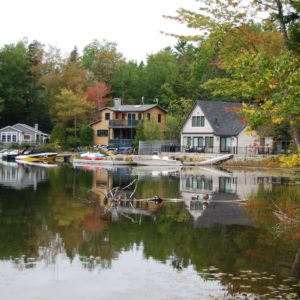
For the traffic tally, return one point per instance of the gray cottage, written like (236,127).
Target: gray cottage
(22,133)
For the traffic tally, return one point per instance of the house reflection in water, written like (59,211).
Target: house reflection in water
(212,195)
(18,176)
(105,179)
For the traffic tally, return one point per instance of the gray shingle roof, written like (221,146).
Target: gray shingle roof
(133,108)
(223,121)
(223,213)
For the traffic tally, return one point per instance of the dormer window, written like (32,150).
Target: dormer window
(198,121)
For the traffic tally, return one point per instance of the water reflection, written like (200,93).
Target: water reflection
(214,196)
(65,229)
(113,190)
(18,176)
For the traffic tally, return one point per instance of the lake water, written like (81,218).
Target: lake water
(60,238)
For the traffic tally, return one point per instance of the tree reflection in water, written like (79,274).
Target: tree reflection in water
(54,221)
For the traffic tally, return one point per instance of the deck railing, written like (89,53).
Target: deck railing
(123,123)
(234,150)
(121,142)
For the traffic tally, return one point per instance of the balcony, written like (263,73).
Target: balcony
(123,123)
(121,142)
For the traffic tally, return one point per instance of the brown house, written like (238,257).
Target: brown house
(117,124)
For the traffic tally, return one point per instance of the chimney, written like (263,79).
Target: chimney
(118,102)
(36,127)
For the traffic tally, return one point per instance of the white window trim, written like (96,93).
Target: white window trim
(11,134)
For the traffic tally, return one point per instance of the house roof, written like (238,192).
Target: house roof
(20,127)
(133,108)
(29,128)
(222,118)
(223,213)
(9,128)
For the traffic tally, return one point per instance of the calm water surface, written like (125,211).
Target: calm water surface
(61,239)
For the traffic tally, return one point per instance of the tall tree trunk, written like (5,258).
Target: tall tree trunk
(296,135)
(295,269)
(280,18)
(75,126)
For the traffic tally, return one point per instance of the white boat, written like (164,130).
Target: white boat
(100,162)
(37,157)
(155,160)
(10,155)
(2,152)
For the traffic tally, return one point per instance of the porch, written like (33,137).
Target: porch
(123,123)
(249,150)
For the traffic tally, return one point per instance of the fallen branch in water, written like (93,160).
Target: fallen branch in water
(283,217)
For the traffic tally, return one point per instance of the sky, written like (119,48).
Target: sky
(135,25)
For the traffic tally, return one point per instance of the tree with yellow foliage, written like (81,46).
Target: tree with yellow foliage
(70,108)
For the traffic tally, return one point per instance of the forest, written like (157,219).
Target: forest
(245,52)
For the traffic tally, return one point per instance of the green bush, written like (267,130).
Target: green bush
(86,136)
(73,141)
(58,135)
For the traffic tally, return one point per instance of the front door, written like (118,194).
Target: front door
(225,144)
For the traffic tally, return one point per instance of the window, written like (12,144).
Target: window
(198,141)
(159,118)
(209,141)
(102,132)
(131,116)
(189,141)
(198,121)
(140,116)
(8,138)
(14,138)
(148,116)
(3,138)
(117,115)
(123,116)
(107,116)
(27,137)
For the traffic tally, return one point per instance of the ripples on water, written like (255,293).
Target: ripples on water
(62,239)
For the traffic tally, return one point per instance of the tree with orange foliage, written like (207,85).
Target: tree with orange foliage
(99,95)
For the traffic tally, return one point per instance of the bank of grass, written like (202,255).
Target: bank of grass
(266,162)
(281,161)
(192,158)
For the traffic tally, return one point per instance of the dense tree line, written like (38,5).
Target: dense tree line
(235,56)
(36,80)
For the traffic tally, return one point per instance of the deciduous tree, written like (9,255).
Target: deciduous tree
(70,107)
(260,67)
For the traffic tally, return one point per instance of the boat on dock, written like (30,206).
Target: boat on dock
(155,160)
(10,155)
(103,161)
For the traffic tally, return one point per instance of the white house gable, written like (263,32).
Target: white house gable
(197,122)
(9,134)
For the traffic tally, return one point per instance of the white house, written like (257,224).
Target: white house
(216,127)
(22,133)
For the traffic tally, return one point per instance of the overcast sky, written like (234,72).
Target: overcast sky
(134,25)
